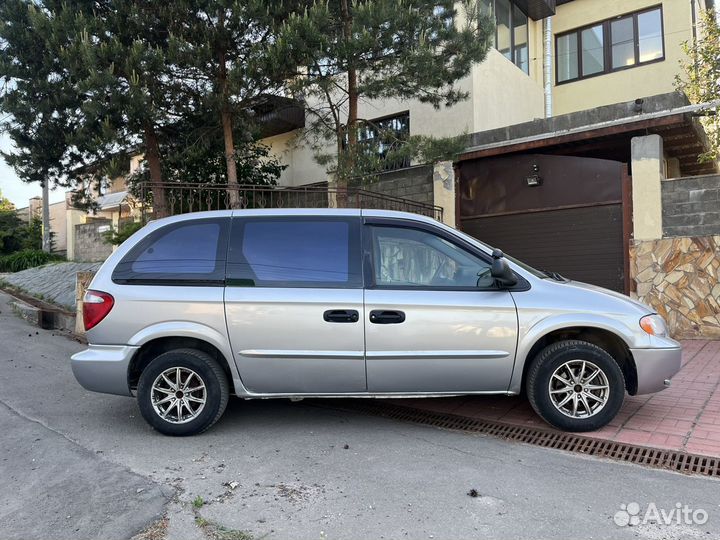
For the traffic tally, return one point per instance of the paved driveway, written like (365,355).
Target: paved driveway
(78,465)
(684,417)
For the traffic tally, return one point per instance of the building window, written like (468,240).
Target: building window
(611,45)
(381,136)
(511,31)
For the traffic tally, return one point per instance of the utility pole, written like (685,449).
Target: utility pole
(46,217)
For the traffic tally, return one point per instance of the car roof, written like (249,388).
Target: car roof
(294,212)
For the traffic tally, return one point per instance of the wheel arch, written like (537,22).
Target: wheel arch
(604,338)
(151,347)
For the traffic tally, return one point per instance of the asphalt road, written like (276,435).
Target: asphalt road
(74,464)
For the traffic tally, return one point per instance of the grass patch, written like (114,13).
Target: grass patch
(198,502)
(218,532)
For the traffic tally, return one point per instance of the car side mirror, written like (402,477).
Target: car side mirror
(500,270)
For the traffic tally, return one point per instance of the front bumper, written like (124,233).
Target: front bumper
(654,367)
(104,368)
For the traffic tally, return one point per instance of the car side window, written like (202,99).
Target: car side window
(405,257)
(180,253)
(297,251)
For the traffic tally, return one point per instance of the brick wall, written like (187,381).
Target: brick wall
(691,206)
(414,183)
(89,242)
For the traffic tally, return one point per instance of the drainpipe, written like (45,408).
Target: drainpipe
(547,64)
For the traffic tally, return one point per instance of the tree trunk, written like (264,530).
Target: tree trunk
(152,156)
(346,163)
(46,216)
(227,123)
(233,192)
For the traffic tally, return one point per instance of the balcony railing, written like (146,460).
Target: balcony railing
(182,198)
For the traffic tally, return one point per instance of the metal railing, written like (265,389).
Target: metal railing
(182,198)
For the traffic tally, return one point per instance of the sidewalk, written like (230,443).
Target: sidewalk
(684,417)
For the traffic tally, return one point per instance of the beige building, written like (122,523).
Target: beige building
(550,58)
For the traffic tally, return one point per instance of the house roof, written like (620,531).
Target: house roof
(111,200)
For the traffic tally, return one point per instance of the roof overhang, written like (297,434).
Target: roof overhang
(667,115)
(112,200)
(537,9)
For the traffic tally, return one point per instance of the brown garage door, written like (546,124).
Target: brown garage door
(572,223)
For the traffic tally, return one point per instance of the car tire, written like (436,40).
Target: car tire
(575,386)
(202,394)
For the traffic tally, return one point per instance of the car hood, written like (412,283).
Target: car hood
(579,285)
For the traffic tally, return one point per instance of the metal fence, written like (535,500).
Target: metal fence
(182,198)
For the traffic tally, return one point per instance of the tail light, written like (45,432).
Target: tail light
(96,306)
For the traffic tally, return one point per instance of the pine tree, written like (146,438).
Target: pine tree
(219,54)
(352,50)
(117,56)
(37,102)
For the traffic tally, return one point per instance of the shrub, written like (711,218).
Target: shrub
(126,231)
(27,258)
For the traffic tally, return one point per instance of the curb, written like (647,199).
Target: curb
(41,314)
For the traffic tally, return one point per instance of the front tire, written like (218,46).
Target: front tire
(182,392)
(575,386)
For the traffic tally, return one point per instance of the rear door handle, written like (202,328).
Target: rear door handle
(341,316)
(384,316)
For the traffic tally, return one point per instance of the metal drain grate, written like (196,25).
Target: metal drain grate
(569,442)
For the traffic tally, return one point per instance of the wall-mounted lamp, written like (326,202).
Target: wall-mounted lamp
(534,179)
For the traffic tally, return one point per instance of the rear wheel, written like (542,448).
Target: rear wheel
(575,386)
(182,392)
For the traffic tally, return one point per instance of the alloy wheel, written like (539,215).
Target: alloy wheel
(178,395)
(579,389)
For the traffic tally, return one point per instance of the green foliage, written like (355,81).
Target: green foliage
(198,502)
(701,81)
(16,235)
(27,258)
(116,238)
(376,49)
(5,204)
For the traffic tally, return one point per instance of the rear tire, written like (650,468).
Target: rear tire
(187,407)
(575,386)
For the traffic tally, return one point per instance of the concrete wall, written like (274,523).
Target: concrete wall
(89,244)
(647,80)
(691,206)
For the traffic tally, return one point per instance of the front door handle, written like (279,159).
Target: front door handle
(384,316)
(341,316)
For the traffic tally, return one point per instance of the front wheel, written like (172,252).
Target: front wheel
(182,392)
(575,386)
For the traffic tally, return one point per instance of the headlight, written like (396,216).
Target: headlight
(654,325)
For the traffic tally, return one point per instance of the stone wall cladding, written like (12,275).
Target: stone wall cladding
(691,206)
(414,183)
(89,242)
(680,278)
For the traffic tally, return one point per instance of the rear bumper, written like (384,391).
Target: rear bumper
(655,367)
(104,368)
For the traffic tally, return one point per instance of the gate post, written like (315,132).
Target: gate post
(647,176)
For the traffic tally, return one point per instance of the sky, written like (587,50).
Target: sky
(15,189)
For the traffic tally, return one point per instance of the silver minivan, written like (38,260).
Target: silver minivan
(354,303)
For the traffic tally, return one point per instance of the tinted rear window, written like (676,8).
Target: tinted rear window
(295,252)
(180,253)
